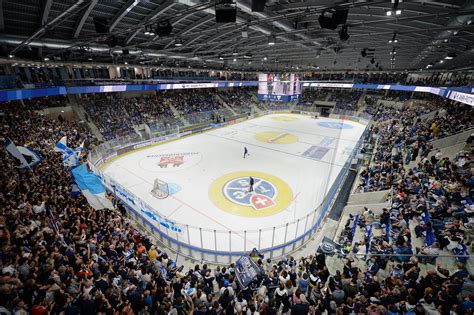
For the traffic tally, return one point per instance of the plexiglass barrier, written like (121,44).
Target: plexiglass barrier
(223,245)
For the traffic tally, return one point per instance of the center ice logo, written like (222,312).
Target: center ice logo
(263,196)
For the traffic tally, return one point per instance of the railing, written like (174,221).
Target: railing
(209,244)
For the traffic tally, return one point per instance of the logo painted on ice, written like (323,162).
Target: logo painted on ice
(263,196)
(175,161)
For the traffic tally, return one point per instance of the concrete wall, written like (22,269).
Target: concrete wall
(452,140)
(368,198)
(53,112)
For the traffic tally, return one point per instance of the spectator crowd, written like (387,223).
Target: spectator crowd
(59,256)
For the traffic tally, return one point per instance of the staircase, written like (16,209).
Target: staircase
(361,102)
(223,103)
(80,112)
(176,113)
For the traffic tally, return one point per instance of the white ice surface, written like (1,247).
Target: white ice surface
(220,152)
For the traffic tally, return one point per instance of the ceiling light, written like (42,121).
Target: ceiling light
(398,12)
(265,58)
(11,56)
(235,59)
(126,63)
(221,58)
(271,41)
(394,38)
(235,52)
(450,56)
(441,61)
(46,59)
(178,42)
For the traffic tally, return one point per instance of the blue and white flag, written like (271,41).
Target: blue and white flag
(75,191)
(70,156)
(28,158)
(91,187)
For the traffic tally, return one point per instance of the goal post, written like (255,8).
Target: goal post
(160,189)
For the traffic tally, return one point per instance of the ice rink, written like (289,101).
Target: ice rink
(293,159)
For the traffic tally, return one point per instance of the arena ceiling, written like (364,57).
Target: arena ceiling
(426,33)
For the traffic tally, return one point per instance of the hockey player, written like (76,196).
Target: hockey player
(246,152)
(251,182)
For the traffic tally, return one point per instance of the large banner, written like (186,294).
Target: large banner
(246,270)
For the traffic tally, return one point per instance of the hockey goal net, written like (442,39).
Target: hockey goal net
(160,189)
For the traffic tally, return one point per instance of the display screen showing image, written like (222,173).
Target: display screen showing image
(284,87)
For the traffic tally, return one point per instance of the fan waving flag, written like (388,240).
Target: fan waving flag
(91,187)
(70,156)
(27,158)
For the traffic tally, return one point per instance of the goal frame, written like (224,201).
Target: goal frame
(160,189)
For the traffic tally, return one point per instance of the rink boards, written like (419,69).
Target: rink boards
(294,160)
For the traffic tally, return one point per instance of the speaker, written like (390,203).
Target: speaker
(258,5)
(327,22)
(163,28)
(101,25)
(331,22)
(226,13)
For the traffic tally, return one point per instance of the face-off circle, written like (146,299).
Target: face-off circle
(232,194)
(238,191)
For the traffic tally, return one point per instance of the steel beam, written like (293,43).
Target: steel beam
(82,19)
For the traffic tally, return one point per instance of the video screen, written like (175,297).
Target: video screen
(284,87)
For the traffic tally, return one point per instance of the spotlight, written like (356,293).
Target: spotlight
(271,41)
(343,36)
(395,10)
(394,38)
(149,31)
(178,42)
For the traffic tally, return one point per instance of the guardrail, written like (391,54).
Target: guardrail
(216,245)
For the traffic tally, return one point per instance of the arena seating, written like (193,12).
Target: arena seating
(59,256)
